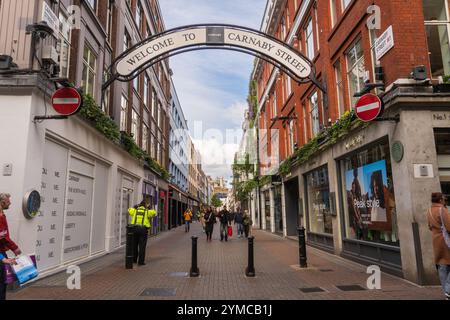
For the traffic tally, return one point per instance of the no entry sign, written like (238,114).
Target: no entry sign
(66,101)
(368,107)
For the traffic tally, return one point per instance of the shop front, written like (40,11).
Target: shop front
(369,216)
(278,214)
(267,209)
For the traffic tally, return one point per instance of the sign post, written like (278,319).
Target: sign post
(368,107)
(66,101)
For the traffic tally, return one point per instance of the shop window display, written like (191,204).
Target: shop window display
(318,190)
(369,202)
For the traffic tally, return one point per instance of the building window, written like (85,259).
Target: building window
(123,113)
(106,100)
(154,104)
(135,126)
(92,4)
(355,69)
(305,124)
(288,85)
(345,4)
(138,16)
(89,70)
(146,81)
(309,35)
(339,88)
(63,46)
(314,105)
(159,115)
(126,41)
(437,24)
(291,136)
(283,29)
(145,137)
(318,196)
(369,203)
(109,20)
(158,153)
(136,84)
(152,146)
(334,12)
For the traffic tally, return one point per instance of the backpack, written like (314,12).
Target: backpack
(445,233)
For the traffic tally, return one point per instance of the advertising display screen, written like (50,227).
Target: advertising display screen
(369,197)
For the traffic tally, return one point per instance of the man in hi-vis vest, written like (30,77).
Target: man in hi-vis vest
(140,219)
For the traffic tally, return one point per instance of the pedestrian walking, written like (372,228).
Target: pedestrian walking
(238,220)
(187,215)
(5,243)
(140,220)
(247,222)
(224,217)
(439,224)
(202,218)
(210,219)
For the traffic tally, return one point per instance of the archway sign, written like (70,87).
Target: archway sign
(144,54)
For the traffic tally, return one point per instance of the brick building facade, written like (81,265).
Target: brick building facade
(331,164)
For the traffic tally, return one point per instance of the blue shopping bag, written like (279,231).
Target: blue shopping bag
(25,269)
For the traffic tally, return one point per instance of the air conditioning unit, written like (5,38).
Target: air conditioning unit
(50,55)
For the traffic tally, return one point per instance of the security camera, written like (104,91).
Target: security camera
(41,28)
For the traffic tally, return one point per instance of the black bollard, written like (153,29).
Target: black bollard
(195,272)
(302,247)
(250,270)
(129,248)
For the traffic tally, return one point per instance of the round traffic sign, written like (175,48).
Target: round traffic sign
(66,101)
(368,107)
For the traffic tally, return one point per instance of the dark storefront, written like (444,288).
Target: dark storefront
(267,208)
(278,210)
(319,218)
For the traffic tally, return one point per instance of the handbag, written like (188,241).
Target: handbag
(444,231)
(10,277)
(230,231)
(25,269)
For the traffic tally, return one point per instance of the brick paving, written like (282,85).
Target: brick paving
(222,274)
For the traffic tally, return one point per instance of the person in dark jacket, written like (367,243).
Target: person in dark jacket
(224,218)
(210,219)
(238,221)
(5,243)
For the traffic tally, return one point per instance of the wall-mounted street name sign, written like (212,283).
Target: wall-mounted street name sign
(215,36)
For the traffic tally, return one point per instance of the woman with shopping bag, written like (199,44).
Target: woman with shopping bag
(5,243)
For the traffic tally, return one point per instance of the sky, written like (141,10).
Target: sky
(212,85)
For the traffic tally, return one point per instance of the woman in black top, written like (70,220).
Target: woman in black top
(210,219)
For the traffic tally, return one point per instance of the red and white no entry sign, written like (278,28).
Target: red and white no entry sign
(368,107)
(66,101)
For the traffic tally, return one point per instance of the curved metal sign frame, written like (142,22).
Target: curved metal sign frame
(144,54)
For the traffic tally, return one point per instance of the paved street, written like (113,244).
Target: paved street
(222,266)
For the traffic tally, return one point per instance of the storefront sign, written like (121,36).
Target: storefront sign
(218,35)
(50,17)
(384,43)
(354,142)
(441,116)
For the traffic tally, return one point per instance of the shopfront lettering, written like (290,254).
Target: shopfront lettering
(151,49)
(73,178)
(367,204)
(76,213)
(251,40)
(441,116)
(77,190)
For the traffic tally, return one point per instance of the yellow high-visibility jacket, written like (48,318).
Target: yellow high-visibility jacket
(141,216)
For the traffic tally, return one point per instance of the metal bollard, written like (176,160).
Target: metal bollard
(129,248)
(302,247)
(195,272)
(250,270)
